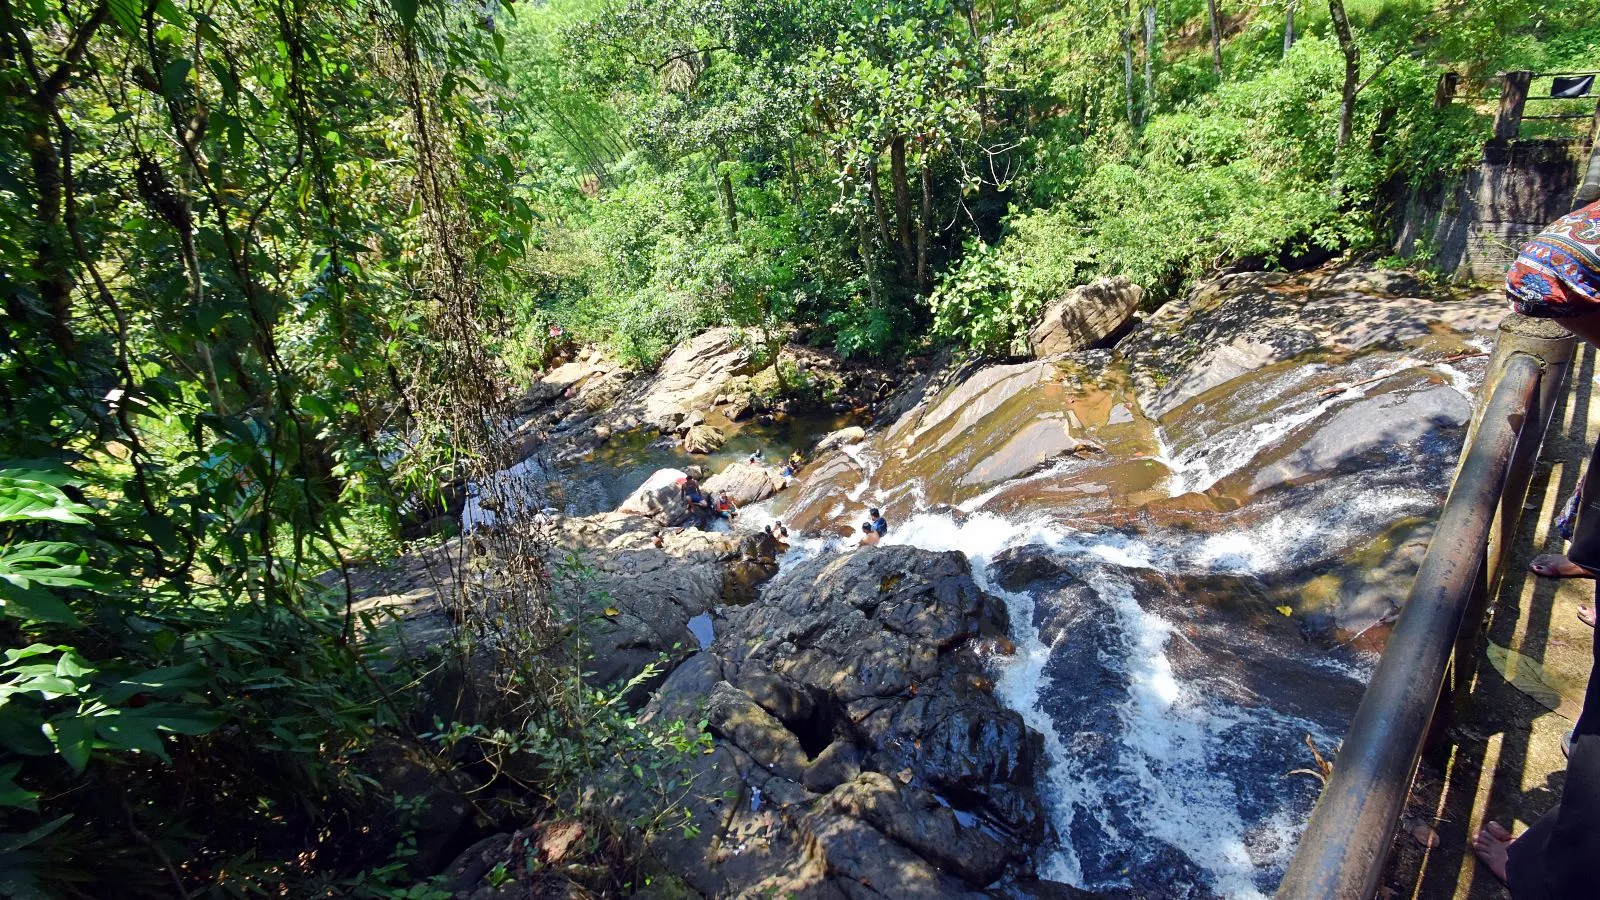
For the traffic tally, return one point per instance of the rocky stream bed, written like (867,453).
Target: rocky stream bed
(1122,589)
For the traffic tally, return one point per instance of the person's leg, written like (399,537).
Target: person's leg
(1554,858)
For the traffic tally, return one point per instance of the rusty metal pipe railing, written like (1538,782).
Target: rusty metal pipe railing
(1346,843)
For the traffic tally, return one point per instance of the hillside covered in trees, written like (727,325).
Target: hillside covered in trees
(274,270)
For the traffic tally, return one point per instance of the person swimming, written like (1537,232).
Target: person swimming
(869,535)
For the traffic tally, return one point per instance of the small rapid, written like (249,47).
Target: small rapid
(1175,667)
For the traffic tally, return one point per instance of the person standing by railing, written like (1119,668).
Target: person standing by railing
(1557,275)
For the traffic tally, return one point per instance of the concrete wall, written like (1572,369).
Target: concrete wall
(1476,223)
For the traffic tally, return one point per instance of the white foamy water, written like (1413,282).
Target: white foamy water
(1174,742)
(1230,449)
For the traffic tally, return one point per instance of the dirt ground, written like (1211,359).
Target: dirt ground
(1499,757)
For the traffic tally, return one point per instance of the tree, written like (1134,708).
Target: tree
(1214,20)
(1352,70)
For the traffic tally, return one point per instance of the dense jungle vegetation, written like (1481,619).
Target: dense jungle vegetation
(270,266)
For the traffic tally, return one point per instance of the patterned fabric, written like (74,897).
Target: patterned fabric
(1557,274)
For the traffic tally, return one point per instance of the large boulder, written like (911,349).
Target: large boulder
(745,483)
(659,499)
(691,377)
(853,434)
(704,439)
(858,746)
(1087,315)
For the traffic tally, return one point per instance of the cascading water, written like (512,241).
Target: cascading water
(1189,597)
(1170,757)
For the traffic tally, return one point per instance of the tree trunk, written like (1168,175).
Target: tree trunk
(1216,37)
(878,212)
(902,201)
(923,280)
(1127,62)
(1288,27)
(732,211)
(1149,56)
(864,236)
(1352,71)
(794,176)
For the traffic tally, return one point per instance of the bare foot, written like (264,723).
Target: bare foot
(1556,565)
(1490,845)
(1586,615)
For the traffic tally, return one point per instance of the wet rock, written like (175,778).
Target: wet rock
(659,499)
(1017,567)
(704,439)
(1087,315)
(1386,420)
(854,434)
(742,579)
(838,763)
(1241,323)
(921,782)
(745,483)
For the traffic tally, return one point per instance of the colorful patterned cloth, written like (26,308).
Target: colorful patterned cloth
(1557,274)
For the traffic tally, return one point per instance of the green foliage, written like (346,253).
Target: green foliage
(223,228)
(1246,172)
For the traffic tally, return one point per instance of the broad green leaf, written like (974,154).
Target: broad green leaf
(128,14)
(13,794)
(406,10)
(74,739)
(31,604)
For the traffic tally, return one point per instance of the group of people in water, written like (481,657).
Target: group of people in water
(706,508)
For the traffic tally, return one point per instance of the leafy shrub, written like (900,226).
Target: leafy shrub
(1246,172)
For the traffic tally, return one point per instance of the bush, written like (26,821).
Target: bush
(1247,172)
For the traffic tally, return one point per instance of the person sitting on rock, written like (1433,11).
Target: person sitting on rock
(869,535)
(726,508)
(699,507)
(787,470)
(878,524)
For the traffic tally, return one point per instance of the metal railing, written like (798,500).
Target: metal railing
(1346,843)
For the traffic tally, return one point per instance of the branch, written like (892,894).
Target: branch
(1378,71)
(54,84)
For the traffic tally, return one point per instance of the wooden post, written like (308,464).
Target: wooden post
(1513,96)
(1445,93)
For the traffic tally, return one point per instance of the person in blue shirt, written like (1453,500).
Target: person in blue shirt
(878,524)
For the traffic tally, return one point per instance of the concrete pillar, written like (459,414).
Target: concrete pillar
(1553,346)
(1445,93)
(1513,96)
